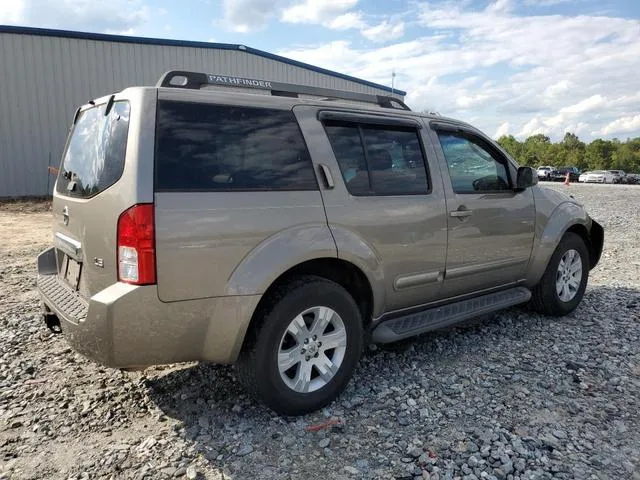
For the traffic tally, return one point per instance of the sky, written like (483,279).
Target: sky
(518,67)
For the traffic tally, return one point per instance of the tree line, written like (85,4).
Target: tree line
(599,154)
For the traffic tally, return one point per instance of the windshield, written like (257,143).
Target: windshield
(95,154)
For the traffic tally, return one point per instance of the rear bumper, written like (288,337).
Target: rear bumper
(128,326)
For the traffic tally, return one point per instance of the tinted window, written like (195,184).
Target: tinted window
(347,146)
(392,163)
(472,166)
(215,147)
(95,154)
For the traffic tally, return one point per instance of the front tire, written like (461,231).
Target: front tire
(303,351)
(565,279)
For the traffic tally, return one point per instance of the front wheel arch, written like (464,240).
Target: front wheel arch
(583,233)
(567,216)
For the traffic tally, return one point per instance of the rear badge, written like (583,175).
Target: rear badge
(98,262)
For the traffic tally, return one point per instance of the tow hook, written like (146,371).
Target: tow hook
(52,322)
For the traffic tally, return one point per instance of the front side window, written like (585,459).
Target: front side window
(378,159)
(204,147)
(95,154)
(472,167)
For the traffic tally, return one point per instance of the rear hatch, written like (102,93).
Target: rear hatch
(88,198)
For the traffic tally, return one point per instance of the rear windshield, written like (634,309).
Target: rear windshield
(201,147)
(94,158)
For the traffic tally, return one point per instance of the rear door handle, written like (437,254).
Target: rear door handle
(327,176)
(461,212)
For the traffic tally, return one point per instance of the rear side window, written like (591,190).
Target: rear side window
(379,159)
(95,153)
(203,147)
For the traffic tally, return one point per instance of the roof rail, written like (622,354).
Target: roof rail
(196,80)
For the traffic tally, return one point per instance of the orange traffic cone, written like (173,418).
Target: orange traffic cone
(566,179)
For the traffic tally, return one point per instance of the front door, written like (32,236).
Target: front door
(382,206)
(490,225)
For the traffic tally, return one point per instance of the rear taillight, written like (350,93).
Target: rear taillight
(137,245)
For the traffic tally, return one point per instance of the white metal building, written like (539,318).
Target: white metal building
(46,74)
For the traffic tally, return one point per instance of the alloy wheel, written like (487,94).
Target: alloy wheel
(569,275)
(312,349)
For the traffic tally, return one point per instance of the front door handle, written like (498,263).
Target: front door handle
(461,212)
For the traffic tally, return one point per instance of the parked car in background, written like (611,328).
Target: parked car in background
(560,174)
(632,179)
(618,176)
(597,176)
(544,172)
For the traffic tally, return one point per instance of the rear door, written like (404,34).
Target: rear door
(96,182)
(385,196)
(490,225)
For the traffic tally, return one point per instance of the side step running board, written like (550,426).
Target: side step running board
(445,315)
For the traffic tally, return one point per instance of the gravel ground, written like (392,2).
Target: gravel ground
(514,395)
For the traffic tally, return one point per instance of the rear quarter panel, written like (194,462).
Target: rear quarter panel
(232,243)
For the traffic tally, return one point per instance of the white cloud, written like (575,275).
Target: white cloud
(499,6)
(503,129)
(626,100)
(546,3)
(247,15)
(540,73)
(317,11)
(384,32)
(556,89)
(622,125)
(12,12)
(346,21)
(115,16)
(243,16)
(533,127)
(586,105)
(472,100)
(339,15)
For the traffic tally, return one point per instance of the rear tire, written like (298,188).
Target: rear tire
(284,362)
(564,281)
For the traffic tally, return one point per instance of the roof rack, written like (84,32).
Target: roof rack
(196,80)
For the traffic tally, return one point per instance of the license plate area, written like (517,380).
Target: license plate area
(71,271)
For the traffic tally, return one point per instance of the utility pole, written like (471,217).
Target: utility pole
(393,81)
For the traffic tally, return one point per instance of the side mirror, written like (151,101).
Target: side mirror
(527,177)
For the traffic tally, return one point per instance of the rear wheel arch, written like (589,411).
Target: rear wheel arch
(344,273)
(304,341)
